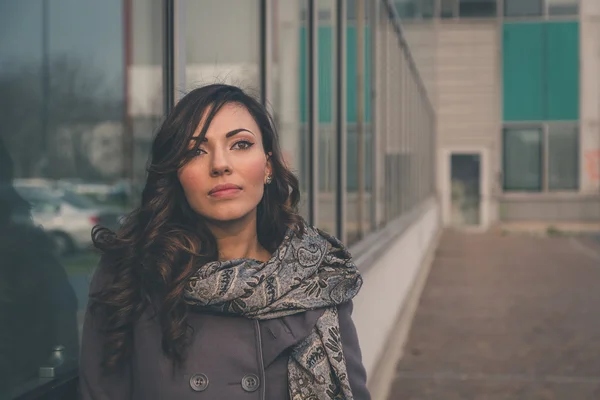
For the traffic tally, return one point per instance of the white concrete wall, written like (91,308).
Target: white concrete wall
(468,101)
(387,285)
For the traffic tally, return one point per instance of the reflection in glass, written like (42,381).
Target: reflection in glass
(289,79)
(38,306)
(222,41)
(358,128)
(523,159)
(523,8)
(477,8)
(563,7)
(327,110)
(81,95)
(563,158)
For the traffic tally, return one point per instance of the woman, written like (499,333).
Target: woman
(214,287)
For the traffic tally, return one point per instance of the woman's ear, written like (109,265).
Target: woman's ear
(269,167)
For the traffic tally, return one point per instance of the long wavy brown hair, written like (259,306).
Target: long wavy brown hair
(163,241)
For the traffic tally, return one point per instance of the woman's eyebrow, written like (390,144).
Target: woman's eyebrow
(236,131)
(227,135)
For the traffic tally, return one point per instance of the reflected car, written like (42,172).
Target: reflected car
(68,217)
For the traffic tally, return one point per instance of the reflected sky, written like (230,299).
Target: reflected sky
(86,30)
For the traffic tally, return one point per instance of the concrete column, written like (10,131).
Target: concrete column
(590,97)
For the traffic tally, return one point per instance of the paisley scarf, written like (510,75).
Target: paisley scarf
(305,273)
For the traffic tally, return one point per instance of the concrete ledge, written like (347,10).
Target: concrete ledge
(390,280)
(383,375)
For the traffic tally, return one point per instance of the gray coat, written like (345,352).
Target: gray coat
(229,358)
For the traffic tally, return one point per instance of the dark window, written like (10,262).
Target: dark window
(563,7)
(523,8)
(523,150)
(477,8)
(563,158)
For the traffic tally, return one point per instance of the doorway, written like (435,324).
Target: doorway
(465,188)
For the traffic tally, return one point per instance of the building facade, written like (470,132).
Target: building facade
(517,99)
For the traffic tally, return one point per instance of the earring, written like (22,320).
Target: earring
(269,179)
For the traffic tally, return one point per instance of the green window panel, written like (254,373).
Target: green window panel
(523,60)
(351,75)
(562,71)
(326,58)
(541,71)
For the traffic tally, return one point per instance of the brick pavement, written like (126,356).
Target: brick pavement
(506,317)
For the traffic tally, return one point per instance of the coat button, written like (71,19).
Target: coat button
(199,382)
(250,383)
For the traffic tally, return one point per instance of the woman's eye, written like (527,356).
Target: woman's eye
(242,145)
(197,152)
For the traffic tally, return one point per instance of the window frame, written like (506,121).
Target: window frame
(505,130)
(495,8)
(545,161)
(544,15)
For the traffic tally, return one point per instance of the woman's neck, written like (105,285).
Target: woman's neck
(238,240)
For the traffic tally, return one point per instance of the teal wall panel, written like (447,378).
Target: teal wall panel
(562,70)
(541,71)
(522,66)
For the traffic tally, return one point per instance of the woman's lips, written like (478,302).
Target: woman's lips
(226,190)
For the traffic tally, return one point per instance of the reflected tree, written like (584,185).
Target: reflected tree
(77,101)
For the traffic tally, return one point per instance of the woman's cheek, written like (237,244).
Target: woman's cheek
(190,179)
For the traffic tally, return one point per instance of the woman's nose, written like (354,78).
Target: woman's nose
(219,164)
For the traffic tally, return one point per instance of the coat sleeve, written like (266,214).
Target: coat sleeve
(95,383)
(357,375)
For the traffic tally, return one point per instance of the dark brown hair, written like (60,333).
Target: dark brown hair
(163,241)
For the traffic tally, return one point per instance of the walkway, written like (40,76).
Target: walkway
(506,317)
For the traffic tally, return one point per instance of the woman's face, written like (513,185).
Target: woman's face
(225,179)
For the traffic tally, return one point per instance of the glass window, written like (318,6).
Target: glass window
(368,168)
(563,158)
(523,8)
(477,8)
(223,57)
(563,7)
(357,215)
(289,95)
(523,160)
(81,86)
(328,175)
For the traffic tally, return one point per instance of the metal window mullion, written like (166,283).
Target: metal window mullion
(266,36)
(401,193)
(375,123)
(341,120)
(545,158)
(169,55)
(179,50)
(389,79)
(360,120)
(313,112)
